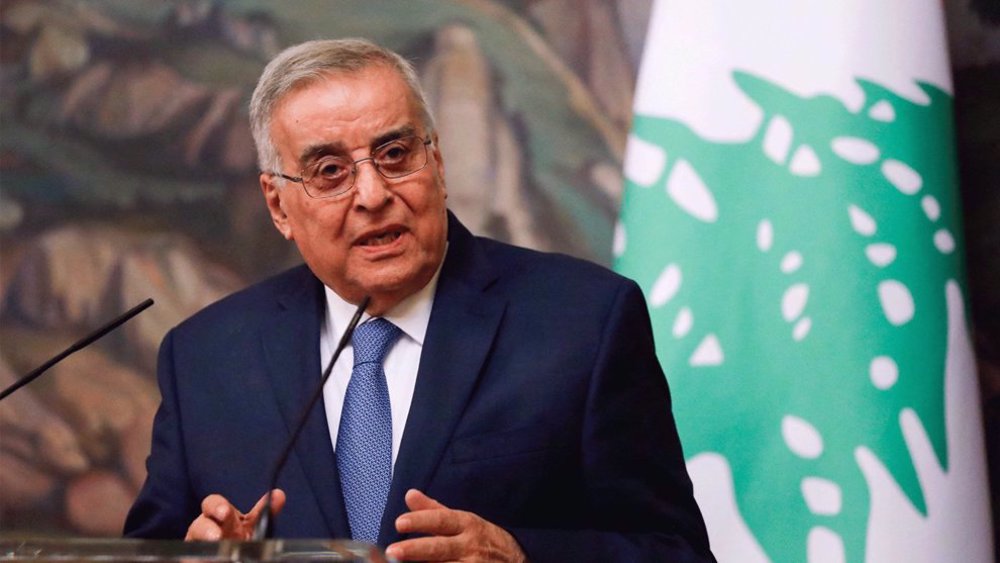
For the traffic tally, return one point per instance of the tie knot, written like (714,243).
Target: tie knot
(372,340)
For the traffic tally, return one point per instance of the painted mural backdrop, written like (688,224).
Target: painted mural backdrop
(127,171)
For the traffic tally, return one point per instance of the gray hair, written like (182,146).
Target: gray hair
(311,62)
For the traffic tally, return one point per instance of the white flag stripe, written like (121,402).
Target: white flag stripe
(793,50)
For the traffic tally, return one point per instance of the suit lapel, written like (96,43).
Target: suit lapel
(291,346)
(460,333)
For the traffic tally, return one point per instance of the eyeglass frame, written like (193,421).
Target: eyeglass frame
(425,142)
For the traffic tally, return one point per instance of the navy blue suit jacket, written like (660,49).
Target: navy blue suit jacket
(539,405)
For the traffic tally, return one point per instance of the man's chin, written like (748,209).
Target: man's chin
(387,289)
(387,282)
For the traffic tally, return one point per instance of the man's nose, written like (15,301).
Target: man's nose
(371,187)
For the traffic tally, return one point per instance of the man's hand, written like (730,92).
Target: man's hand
(454,535)
(221,520)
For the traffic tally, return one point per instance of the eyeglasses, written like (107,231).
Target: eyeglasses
(333,176)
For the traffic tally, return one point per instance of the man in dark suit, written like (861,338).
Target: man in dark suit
(528,416)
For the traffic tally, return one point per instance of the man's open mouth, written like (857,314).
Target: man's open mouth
(382,239)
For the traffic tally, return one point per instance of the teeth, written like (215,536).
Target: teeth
(383,239)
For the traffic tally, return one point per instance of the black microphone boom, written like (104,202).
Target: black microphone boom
(264,528)
(78,345)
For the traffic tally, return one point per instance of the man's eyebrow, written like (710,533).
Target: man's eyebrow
(313,152)
(397,133)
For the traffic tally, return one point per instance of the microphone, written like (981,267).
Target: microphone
(264,528)
(78,345)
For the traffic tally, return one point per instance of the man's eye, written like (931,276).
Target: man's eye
(330,169)
(394,152)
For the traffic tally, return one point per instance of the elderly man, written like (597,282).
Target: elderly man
(503,404)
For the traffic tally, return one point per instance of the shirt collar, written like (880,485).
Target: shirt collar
(411,315)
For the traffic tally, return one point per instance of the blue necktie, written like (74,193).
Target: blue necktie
(364,440)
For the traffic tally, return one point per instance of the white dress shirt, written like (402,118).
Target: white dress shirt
(400,364)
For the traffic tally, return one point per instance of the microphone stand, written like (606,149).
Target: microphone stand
(76,346)
(265,527)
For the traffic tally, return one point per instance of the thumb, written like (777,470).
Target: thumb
(416,500)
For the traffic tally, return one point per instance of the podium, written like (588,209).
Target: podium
(85,550)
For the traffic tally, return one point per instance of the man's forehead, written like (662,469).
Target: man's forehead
(378,77)
(384,120)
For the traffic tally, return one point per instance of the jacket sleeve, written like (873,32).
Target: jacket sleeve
(165,505)
(636,491)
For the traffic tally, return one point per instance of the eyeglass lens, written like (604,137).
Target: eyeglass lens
(334,175)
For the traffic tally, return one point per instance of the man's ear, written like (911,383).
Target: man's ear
(439,162)
(272,195)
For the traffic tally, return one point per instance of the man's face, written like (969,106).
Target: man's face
(385,238)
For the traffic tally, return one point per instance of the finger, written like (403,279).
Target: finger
(203,529)
(277,503)
(222,512)
(417,500)
(218,508)
(230,520)
(436,522)
(425,549)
